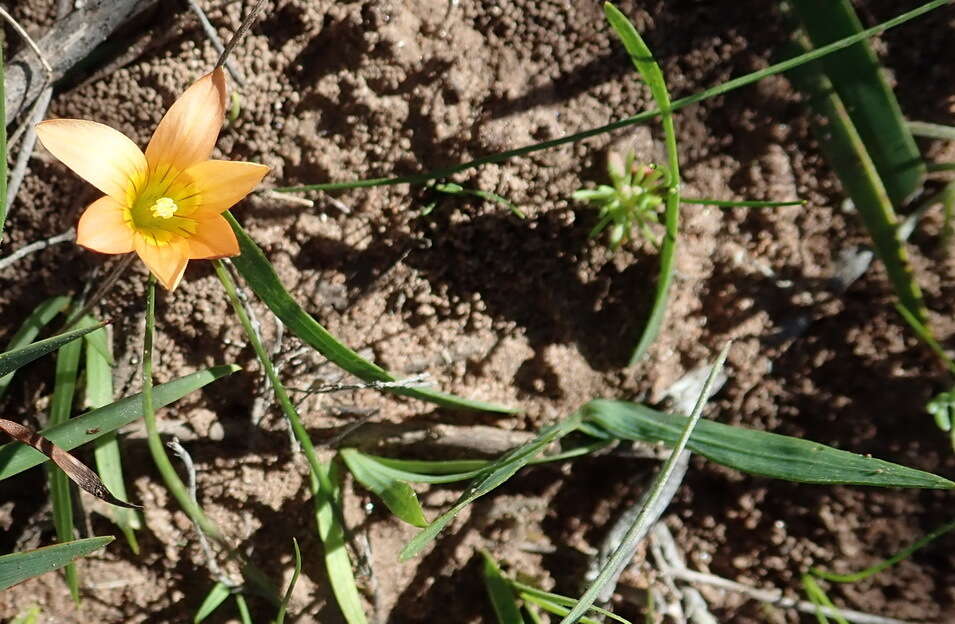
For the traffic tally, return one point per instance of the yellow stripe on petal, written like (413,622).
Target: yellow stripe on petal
(213,239)
(188,131)
(105,228)
(104,157)
(167,262)
(222,183)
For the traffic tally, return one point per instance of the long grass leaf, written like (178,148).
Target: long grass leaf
(61,494)
(720,89)
(860,82)
(3,142)
(280,616)
(27,333)
(262,279)
(647,67)
(15,457)
(12,360)
(847,154)
(758,452)
(332,534)
(109,463)
(655,503)
(216,596)
(18,567)
(500,593)
(490,478)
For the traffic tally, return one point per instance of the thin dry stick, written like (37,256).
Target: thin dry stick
(180,452)
(37,113)
(105,286)
(775,597)
(288,199)
(36,246)
(244,28)
(216,42)
(30,42)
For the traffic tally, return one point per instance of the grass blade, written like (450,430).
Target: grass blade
(493,476)
(12,360)
(651,510)
(396,494)
(3,143)
(647,67)
(280,617)
(38,319)
(758,452)
(870,102)
(332,534)
(18,567)
(215,597)
(848,156)
(61,496)
(109,463)
(931,130)
(720,89)
(500,593)
(261,278)
(15,457)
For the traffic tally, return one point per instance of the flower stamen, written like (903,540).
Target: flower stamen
(164,208)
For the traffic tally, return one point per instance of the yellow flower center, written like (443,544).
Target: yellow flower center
(164,208)
(161,205)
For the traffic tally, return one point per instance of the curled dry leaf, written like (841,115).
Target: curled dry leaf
(76,470)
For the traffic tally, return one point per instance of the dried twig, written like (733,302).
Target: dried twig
(30,42)
(671,565)
(414,381)
(244,28)
(216,42)
(217,573)
(289,199)
(37,113)
(26,250)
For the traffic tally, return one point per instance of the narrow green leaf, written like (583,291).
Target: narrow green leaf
(720,89)
(493,476)
(61,492)
(758,452)
(12,360)
(450,188)
(244,616)
(3,143)
(647,67)
(215,597)
(109,463)
(931,130)
(556,603)
(262,279)
(414,471)
(848,156)
(332,534)
(745,203)
(16,457)
(500,593)
(869,101)
(97,340)
(280,617)
(18,567)
(38,319)
(396,494)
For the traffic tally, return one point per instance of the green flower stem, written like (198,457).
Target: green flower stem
(168,472)
(156,449)
(301,434)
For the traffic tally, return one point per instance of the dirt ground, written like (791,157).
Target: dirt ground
(529,313)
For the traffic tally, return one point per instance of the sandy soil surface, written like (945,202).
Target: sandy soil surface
(523,312)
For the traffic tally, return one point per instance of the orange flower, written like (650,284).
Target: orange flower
(166,204)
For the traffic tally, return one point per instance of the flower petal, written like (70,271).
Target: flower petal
(106,158)
(188,131)
(214,238)
(222,183)
(166,262)
(103,227)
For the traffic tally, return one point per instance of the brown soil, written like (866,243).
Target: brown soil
(524,312)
